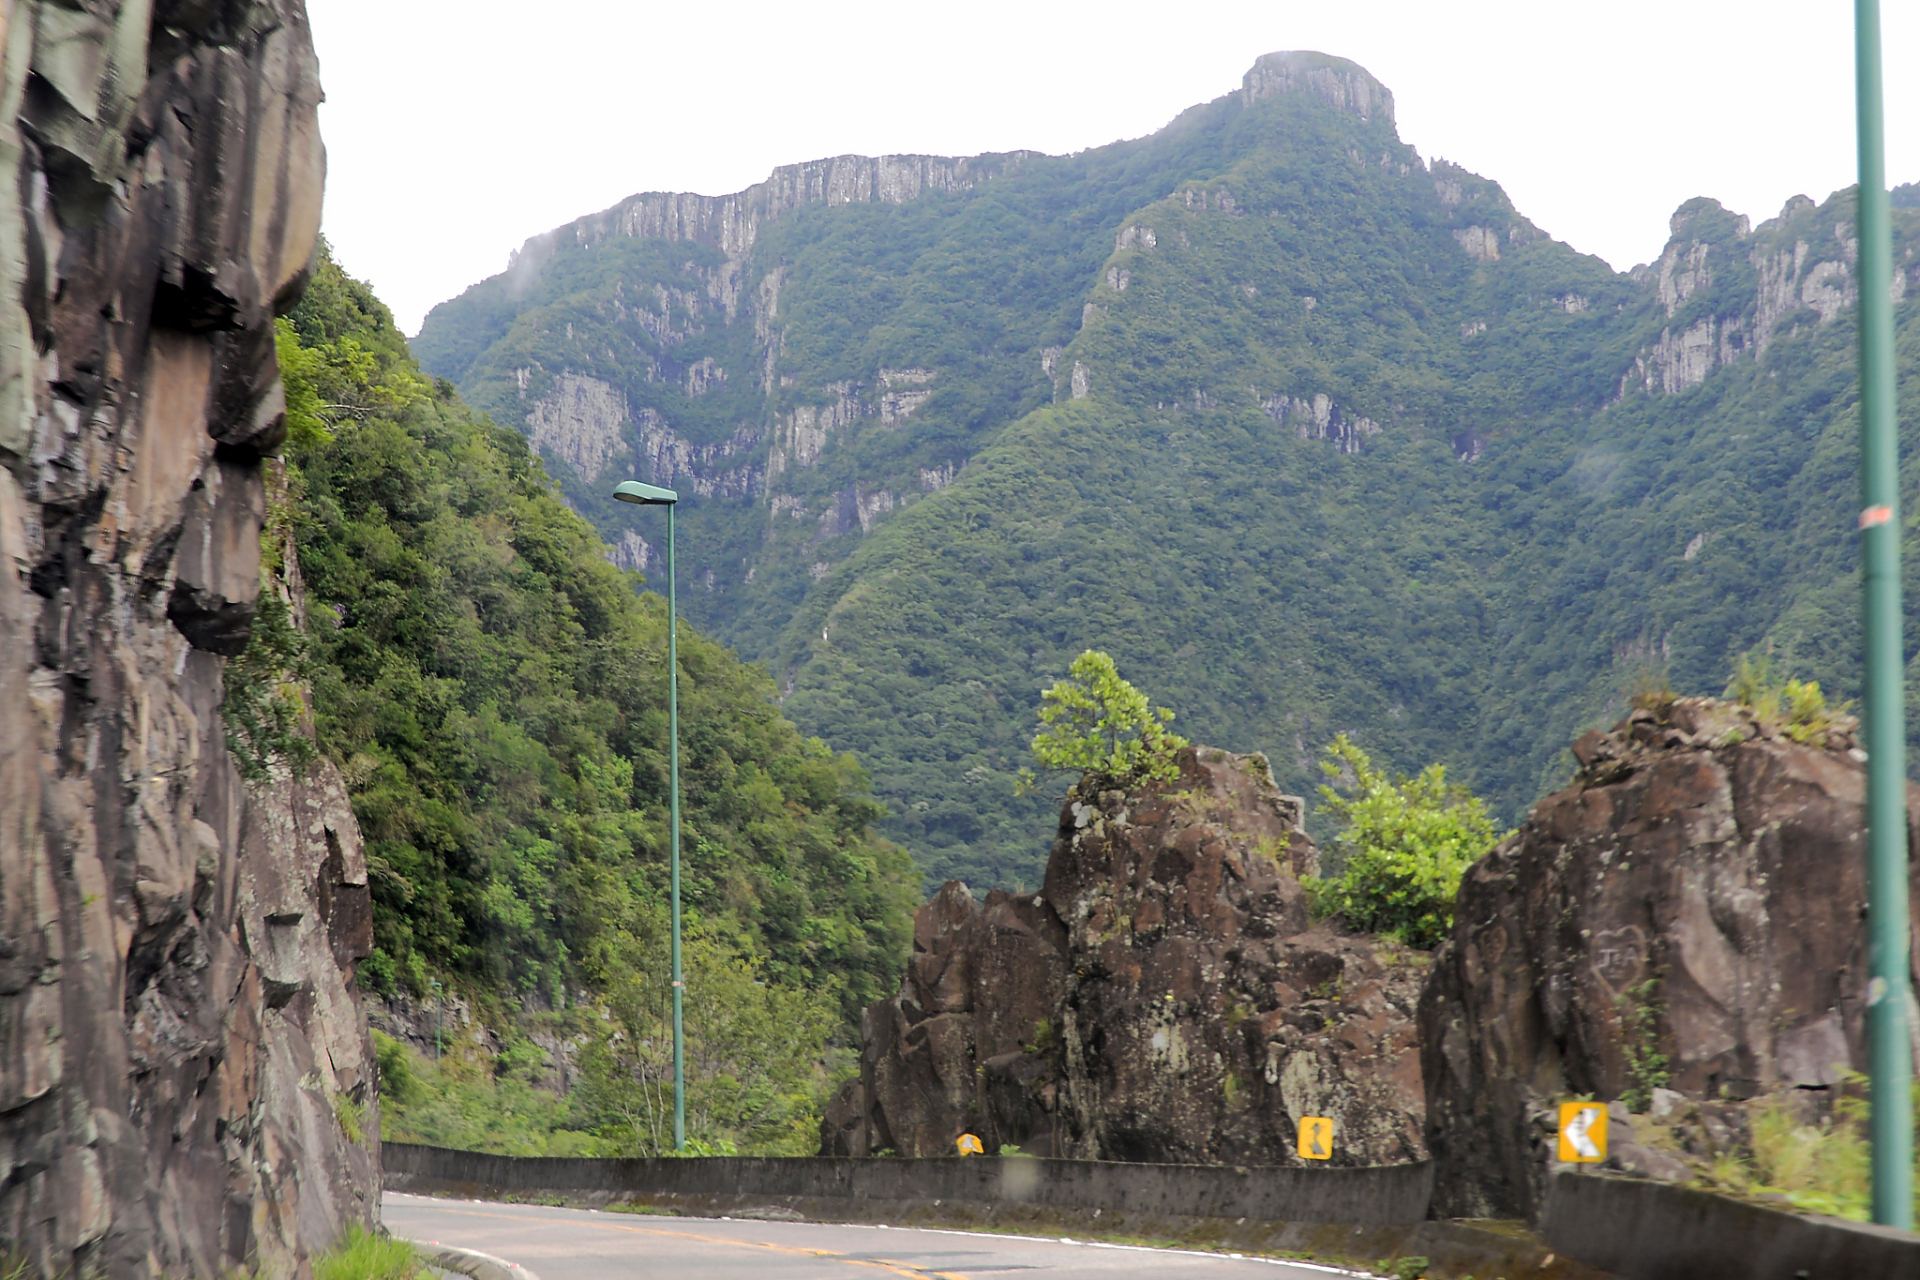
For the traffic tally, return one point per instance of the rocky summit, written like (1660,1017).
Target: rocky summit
(185,1076)
(1164,997)
(1679,930)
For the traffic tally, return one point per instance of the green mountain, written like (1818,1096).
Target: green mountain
(495,695)
(1312,434)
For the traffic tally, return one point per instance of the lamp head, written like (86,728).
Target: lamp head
(645,495)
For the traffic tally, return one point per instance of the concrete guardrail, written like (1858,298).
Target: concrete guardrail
(1657,1231)
(1383,1195)
(1595,1225)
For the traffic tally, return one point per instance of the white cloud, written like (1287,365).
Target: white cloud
(457,130)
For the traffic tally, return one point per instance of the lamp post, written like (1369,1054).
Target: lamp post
(647,495)
(1888,1048)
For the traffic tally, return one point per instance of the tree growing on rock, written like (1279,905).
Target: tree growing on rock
(1097,724)
(1405,846)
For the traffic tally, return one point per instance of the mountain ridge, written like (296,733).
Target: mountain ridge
(1273,302)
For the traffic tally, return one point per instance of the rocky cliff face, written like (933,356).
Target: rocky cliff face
(1726,289)
(185,1081)
(1165,997)
(1696,894)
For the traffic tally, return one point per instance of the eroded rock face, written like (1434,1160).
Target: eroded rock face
(1165,997)
(185,1079)
(1697,893)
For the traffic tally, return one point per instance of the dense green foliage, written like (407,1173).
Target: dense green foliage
(1312,435)
(494,693)
(1096,724)
(1401,849)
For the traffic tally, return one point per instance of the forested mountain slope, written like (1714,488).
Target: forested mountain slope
(495,694)
(1310,433)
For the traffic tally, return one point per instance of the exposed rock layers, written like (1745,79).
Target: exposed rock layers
(185,1081)
(1165,997)
(1697,894)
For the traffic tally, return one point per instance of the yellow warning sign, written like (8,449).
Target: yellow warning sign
(1583,1132)
(968,1145)
(1316,1138)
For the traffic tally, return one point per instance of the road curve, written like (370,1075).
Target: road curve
(580,1244)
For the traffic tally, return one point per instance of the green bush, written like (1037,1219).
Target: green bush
(398,1083)
(1796,707)
(363,1255)
(1404,847)
(1097,724)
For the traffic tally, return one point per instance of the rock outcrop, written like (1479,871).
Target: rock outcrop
(185,1078)
(1695,896)
(1165,997)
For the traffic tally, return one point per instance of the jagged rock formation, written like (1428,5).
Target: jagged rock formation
(1165,997)
(1727,289)
(1696,893)
(185,1079)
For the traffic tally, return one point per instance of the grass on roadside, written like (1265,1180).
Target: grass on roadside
(365,1255)
(1817,1168)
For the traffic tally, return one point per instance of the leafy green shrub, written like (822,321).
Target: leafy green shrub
(264,704)
(754,1050)
(1404,847)
(398,1082)
(1640,1010)
(1097,724)
(1796,707)
(363,1255)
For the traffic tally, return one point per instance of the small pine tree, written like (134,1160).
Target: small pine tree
(1097,724)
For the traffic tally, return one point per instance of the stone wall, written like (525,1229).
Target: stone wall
(185,1078)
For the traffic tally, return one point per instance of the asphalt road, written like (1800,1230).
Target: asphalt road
(579,1244)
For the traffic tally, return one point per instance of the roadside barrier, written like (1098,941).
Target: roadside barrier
(1595,1225)
(1375,1196)
(1657,1231)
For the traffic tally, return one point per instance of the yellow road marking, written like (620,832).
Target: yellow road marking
(882,1264)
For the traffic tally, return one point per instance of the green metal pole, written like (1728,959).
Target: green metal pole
(1889,1052)
(673,770)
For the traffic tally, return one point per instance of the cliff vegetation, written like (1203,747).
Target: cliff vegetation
(494,692)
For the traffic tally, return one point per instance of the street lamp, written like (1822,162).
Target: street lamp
(647,495)
(1889,1051)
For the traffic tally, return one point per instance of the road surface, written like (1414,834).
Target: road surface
(579,1244)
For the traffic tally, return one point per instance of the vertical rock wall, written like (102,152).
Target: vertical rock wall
(1165,997)
(185,1077)
(1687,914)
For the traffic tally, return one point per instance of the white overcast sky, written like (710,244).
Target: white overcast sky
(456,130)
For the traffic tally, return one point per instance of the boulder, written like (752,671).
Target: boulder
(1164,997)
(1682,925)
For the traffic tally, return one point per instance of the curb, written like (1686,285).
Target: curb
(470,1262)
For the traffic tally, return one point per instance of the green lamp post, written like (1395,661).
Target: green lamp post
(1888,1048)
(648,495)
